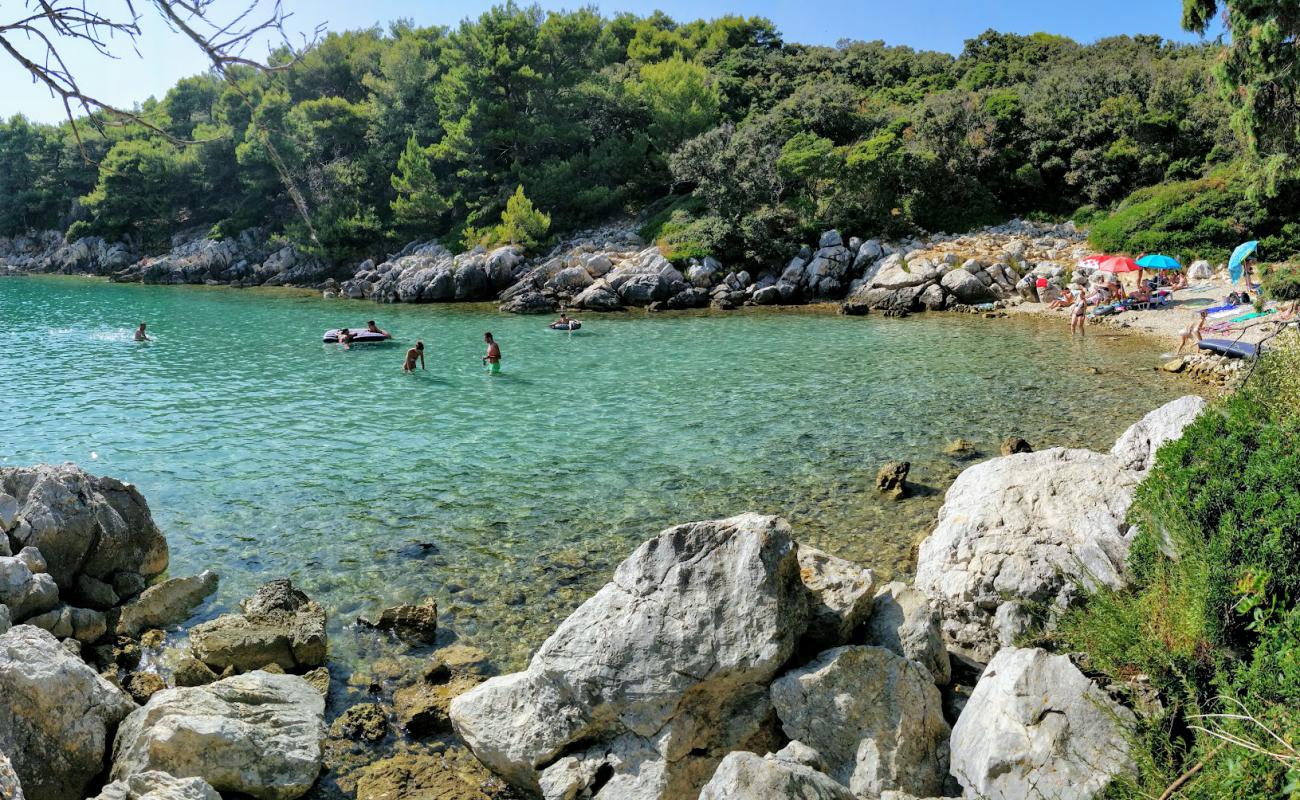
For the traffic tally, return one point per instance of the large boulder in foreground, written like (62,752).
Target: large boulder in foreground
(82,524)
(56,715)
(746,776)
(1035,726)
(651,681)
(903,622)
(279,625)
(158,786)
(1024,529)
(875,718)
(257,734)
(1136,447)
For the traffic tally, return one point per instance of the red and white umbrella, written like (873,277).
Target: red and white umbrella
(1112,264)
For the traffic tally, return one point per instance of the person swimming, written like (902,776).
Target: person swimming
(140,335)
(493,357)
(414,353)
(345,338)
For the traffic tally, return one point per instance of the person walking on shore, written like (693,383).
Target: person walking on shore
(1078,314)
(493,357)
(140,335)
(414,353)
(1193,331)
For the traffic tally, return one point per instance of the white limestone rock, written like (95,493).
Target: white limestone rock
(1136,447)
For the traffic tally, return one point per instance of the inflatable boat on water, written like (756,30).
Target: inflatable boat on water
(1229,348)
(560,326)
(359,335)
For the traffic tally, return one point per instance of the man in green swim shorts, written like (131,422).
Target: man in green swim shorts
(493,357)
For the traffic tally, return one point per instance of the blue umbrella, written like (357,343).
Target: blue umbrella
(1157,261)
(1239,255)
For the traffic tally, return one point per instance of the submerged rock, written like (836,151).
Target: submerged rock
(256,734)
(1035,726)
(453,774)
(657,676)
(279,625)
(56,715)
(875,719)
(417,623)
(891,478)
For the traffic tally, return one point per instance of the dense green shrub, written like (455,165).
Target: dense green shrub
(1282,281)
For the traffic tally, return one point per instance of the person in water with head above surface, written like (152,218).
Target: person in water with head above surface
(372,328)
(140,335)
(412,355)
(493,357)
(563,322)
(345,338)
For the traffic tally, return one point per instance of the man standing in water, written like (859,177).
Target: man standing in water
(140,335)
(493,357)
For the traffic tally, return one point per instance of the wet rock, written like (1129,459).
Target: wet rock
(1024,528)
(530,302)
(1174,365)
(960,447)
(166,603)
(319,679)
(423,709)
(192,672)
(453,774)
(153,639)
(903,622)
(1036,726)
(365,722)
(143,685)
(158,786)
(636,684)
(418,623)
(83,524)
(457,660)
(128,584)
(1014,444)
(891,478)
(1136,447)
(56,715)
(279,625)
(746,776)
(875,719)
(840,598)
(254,734)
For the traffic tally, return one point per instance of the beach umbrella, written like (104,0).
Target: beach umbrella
(1239,255)
(1157,261)
(1114,264)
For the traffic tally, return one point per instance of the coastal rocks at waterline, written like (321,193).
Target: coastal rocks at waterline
(83,525)
(279,625)
(874,717)
(657,676)
(257,734)
(427,272)
(249,258)
(414,623)
(166,603)
(1029,529)
(1035,726)
(56,714)
(47,252)
(891,478)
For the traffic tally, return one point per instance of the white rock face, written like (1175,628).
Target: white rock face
(1037,727)
(10,787)
(158,786)
(26,593)
(746,776)
(1136,447)
(841,596)
(257,734)
(56,714)
(660,673)
(1024,528)
(875,718)
(903,622)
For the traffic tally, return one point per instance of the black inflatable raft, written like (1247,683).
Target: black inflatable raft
(560,326)
(359,335)
(1229,348)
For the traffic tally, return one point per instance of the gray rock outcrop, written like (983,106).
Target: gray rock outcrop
(56,715)
(257,734)
(166,603)
(656,677)
(158,786)
(841,597)
(902,621)
(279,625)
(875,719)
(746,776)
(1035,726)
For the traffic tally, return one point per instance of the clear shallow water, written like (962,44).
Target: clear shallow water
(264,453)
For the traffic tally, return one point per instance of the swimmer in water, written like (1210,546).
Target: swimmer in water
(373,328)
(140,335)
(345,338)
(412,355)
(493,357)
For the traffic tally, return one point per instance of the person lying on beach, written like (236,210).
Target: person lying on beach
(371,327)
(414,353)
(1141,294)
(140,335)
(1180,280)
(1064,300)
(1193,331)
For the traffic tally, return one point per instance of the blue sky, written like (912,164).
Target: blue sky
(923,24)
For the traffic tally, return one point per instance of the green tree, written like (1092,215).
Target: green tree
(418,205)
(521,223)
(681,99)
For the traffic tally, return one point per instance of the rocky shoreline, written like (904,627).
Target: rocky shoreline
(723,660)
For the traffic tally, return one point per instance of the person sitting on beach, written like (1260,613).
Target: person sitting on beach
(345,338)
(1180,281)
(1078,314)
(1141,294)
(414,353)
(372,328)
(1193,330)
(140,335)
(1116,289)
(1065,299)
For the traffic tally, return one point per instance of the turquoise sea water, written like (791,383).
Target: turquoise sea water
(264,453)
